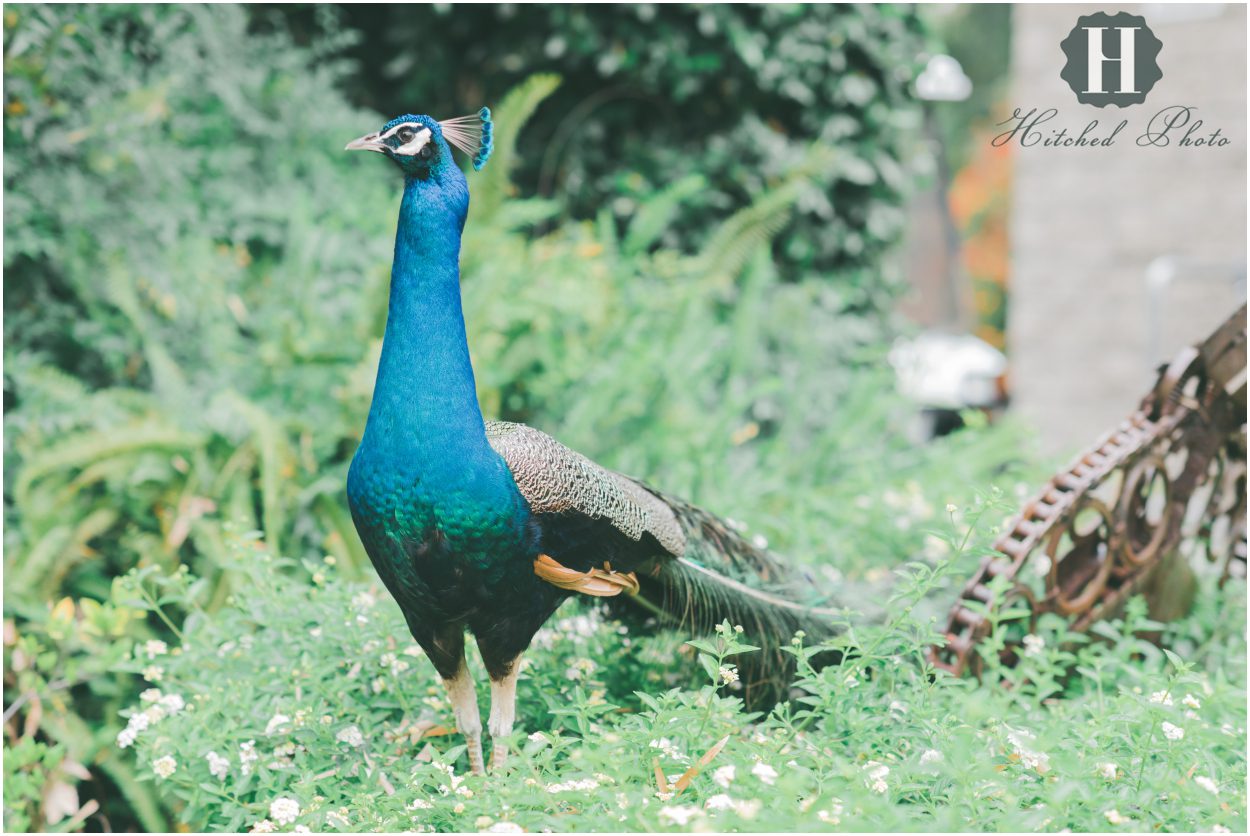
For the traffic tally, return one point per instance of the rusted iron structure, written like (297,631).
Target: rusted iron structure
(1173,472)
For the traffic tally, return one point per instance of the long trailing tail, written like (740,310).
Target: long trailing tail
(724,576)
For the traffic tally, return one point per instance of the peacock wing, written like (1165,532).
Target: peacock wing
(558,481)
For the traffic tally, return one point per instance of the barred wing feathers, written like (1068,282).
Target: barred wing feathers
(693,568)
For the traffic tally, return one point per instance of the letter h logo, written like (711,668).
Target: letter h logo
(1130,70)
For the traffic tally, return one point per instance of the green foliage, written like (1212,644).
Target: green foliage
(655,93)
(186,294)
(316,710)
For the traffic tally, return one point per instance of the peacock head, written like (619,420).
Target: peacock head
(421,145)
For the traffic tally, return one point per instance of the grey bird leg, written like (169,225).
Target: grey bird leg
(502,714)
(463,697)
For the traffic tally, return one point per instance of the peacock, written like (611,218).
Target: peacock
(488,526)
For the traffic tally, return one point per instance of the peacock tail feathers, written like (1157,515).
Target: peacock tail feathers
(724,576)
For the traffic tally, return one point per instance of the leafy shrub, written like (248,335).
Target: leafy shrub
(182,281)
(656,94)
(306,705)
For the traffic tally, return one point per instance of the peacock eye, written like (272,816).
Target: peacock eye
(406,134)
(426,152)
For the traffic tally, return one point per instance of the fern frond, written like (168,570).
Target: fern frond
(657,212)
(82,449)
(748,229)
(494,182)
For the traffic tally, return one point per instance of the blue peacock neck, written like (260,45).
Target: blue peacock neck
(425,405)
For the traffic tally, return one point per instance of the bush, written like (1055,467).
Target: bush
(186,294)
(656,94)
(306,705)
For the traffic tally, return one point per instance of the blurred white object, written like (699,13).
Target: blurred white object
(943,80)
(945,374)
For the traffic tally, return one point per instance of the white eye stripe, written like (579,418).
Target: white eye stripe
(416,126)
(415,144)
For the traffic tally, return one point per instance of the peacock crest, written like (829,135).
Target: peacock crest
(471,135)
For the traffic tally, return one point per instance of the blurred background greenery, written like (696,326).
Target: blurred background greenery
(686,266)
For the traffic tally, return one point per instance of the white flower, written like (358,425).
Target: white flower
(723,776)
(300,828)
(951,507)
(247,756)
(728,675)
(765,773)
(1033,645)
(1031,759)
(284,810)
(931,756)
(218,766)
(538,737)
(154,713)
(1161,698)
(363,601)
(1107,770)
(351,736)
(262,826)
(1114,817)
(828,817)
(581,785)
(1219,828)
(748,809)
(680,816)
(420,804)
(743,809)
(1207,784)
(669,749)
(276,722)
(151,695)
(876,776)
(126,737)
(155,647)
(153,673)
(505,827)
(1191,701)
(172,703)
(1172,732)
(833,815)
(338,818)
(139,722)
(164,766)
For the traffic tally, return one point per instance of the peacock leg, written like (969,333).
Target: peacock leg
(502,713)
(463,696)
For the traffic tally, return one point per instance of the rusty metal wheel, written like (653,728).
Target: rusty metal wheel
(1078,576)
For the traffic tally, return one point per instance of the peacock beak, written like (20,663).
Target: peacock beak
(368,142)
